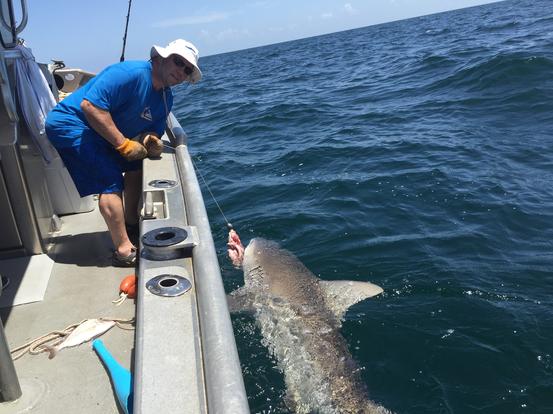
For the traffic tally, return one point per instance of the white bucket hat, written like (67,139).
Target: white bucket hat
(184,49)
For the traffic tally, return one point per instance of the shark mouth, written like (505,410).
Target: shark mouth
(235,249)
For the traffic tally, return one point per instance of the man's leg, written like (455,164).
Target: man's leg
(131,195)
(111,207)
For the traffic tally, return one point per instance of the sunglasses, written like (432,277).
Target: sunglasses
(180,63)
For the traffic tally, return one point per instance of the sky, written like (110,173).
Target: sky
(89,34)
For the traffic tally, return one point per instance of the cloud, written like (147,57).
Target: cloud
(326,16)
(192,20)
(349,8)
(233,34)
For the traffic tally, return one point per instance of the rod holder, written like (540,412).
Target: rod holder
(166,243)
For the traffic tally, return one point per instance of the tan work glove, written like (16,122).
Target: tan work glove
(153,144)
(132,150)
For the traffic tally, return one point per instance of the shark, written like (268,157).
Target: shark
(300,316)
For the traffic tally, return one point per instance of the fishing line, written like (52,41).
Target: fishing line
(229,225)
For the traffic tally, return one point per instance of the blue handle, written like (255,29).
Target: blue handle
(120,377)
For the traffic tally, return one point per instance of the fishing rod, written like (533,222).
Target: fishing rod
(125,35)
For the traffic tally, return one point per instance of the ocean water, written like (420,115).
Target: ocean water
(417,155)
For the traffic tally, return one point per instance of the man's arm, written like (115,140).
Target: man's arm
(102,122)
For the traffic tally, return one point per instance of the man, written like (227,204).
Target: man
(92,130)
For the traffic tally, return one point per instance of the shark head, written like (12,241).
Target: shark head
(272,269)
(260,263)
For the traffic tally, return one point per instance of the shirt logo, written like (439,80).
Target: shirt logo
(146,114)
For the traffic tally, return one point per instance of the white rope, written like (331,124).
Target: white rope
(38,345)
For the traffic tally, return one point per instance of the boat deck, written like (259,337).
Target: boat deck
(183,353)
(82,285)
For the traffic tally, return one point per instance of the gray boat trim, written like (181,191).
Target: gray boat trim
(225,385)
(186,357)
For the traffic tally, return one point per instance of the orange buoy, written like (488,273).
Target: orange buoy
(128,286)
(127,289)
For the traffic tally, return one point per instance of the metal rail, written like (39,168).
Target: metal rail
(223,374)
(24,18)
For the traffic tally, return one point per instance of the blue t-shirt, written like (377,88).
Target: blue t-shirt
(125,90)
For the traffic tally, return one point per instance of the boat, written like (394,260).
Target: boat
(56,271)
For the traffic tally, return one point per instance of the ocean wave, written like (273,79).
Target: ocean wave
(542,20)
(437,31)
(434,61)
(503,71)
(492,27)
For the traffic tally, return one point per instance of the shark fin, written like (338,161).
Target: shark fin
(240,301)
(341,294)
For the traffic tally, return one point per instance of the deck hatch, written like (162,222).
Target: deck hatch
(170,242)
(162,183)
(168,285)
(164,237)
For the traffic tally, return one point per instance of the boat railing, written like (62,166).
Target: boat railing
(185,342)
(225,385)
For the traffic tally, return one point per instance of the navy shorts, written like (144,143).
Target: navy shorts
(95,166)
